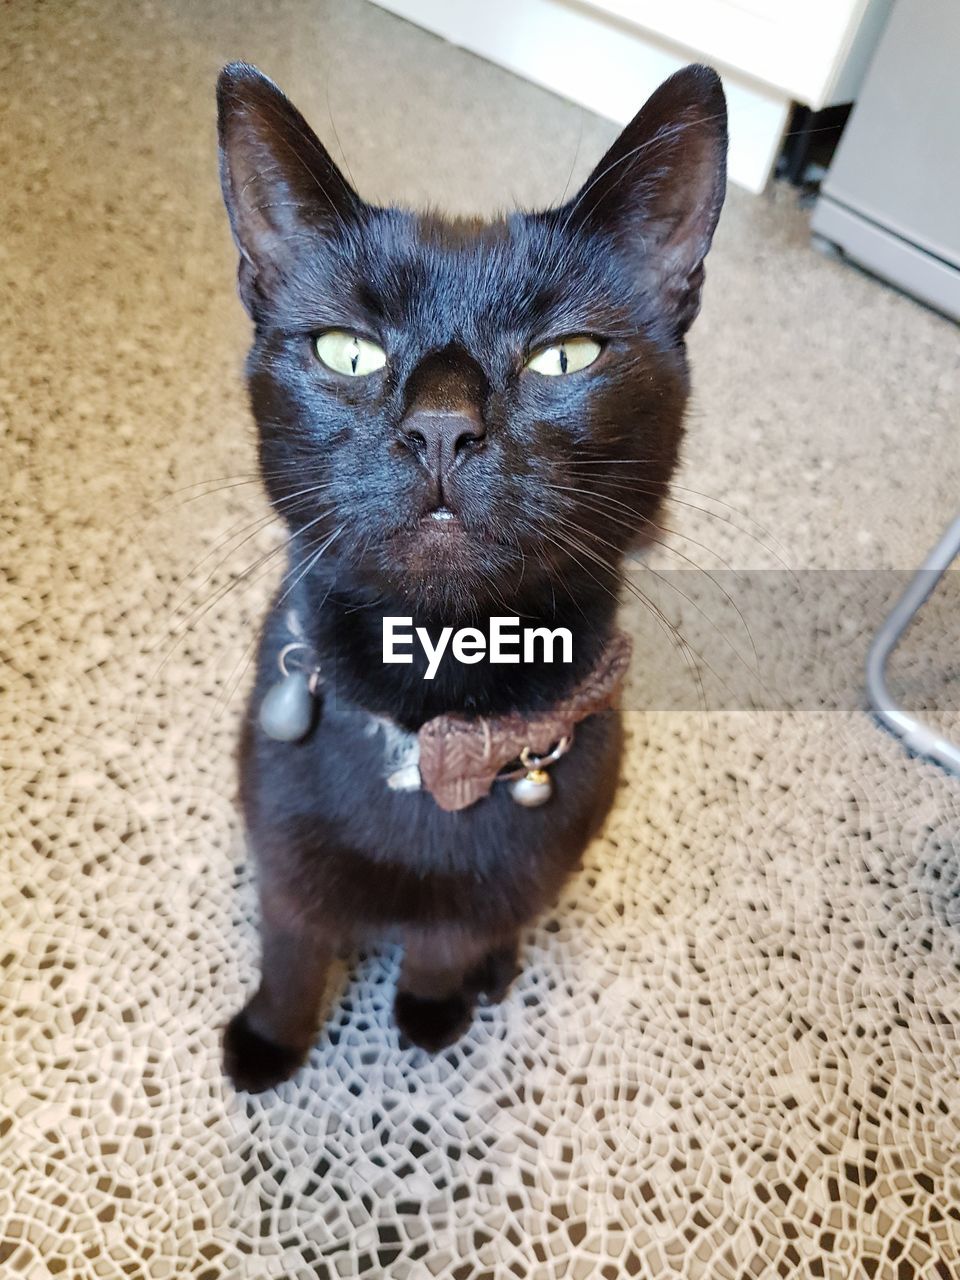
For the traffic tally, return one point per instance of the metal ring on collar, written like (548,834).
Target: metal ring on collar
(288,649)
(313,671)
(529,761)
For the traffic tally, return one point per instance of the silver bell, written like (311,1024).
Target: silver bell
(286,713)
(532,790)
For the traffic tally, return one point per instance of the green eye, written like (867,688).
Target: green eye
(347,353)
(569,356)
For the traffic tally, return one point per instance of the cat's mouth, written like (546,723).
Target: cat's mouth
(447,529)
(442,520)
(437,540)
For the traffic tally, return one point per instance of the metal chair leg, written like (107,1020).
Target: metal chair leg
(918,736)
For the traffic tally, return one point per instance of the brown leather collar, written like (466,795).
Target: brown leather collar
(460,758)
(457,759)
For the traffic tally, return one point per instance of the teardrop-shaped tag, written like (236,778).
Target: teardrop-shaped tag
(286,712)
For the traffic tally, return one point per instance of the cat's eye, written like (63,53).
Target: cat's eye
(569,356)
(348,353)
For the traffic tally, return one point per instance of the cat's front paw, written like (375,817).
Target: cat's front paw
(431,1024)
(490,980)
(253,1062)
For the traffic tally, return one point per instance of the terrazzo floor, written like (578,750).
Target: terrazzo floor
(733,1048)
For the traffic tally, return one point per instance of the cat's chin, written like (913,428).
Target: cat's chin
(445,572)
(439,543)
(439,555)
(438,591)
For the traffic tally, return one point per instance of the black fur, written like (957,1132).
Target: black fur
(554,480)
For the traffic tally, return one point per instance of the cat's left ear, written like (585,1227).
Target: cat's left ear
(279,183)
(659,190)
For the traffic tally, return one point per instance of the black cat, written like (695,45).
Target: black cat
(457,420)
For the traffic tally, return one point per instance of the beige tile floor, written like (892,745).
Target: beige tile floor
(733,1050)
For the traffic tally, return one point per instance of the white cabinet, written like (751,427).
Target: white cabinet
(609,55)
(812,50)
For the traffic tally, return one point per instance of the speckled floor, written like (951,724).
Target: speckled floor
(733,1050)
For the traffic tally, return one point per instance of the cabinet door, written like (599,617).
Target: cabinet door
(799,46)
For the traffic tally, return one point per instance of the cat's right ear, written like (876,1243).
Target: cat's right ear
(279,184)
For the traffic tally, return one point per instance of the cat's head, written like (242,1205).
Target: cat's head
(455,412)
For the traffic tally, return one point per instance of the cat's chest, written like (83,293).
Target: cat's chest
(354,783)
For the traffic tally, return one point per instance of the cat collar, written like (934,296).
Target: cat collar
(457,759)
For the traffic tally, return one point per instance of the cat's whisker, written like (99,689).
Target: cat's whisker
(671,497)
(573,162)
(250,528)
(598,495)
(288,505)
(593,493)
(674,484)
(182,632)
(311,561)
(673,632)
(613,570)
(594,501)
(601,510)
(753,671)
(262,563)
(241,478)
(239,670)
(234,679)
(161,505)
(220,488)
(336,134)
(555,571)
(498,595)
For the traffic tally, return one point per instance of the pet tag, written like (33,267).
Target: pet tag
(286,713)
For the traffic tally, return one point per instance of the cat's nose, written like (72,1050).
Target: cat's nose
(439,437)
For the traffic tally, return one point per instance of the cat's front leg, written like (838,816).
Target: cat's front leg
(445,973)
(270,1037)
